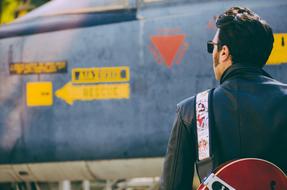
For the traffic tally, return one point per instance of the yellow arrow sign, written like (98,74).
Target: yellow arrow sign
(70,92)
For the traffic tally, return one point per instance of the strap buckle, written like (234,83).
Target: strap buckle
(213,182)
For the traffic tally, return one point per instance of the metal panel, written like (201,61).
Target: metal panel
(137,127)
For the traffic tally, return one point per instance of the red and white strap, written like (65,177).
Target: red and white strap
(202,123)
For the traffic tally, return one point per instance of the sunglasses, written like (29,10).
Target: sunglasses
(210,46)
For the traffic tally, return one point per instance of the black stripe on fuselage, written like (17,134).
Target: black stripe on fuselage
(65,22)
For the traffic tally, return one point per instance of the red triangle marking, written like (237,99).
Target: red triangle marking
(168,46)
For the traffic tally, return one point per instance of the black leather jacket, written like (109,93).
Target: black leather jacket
(250,111)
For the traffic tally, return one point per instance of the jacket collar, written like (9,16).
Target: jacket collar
(240,69)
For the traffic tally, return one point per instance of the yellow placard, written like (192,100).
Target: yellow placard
(103,74)
(72,92)
(279,52)
(38,68)
(39,93)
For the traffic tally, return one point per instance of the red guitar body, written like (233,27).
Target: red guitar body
(246,174)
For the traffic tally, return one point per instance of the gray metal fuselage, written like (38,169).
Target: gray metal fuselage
(137,127)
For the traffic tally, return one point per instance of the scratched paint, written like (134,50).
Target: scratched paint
(212,23)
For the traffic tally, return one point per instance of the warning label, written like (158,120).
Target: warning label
(38,68)
(99,75)
(39,94)
(279,52)
(168,49)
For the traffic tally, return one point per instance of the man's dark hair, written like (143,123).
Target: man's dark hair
(248,37)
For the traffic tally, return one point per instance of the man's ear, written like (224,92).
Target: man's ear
(224,53)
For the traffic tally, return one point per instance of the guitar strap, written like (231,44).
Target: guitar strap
(203,105)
